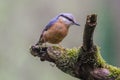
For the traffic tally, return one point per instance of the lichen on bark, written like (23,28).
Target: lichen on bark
(66,60)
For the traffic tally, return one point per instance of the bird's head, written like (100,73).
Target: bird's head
(68,19)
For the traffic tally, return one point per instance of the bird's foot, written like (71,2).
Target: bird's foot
(59,45)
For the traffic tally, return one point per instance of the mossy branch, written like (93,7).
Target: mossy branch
(85,63)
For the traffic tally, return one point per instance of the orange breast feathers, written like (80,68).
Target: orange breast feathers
(56,33)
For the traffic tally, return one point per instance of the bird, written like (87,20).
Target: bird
(57,29)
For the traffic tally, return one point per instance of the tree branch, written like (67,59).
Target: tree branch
(84,63)
(88,31)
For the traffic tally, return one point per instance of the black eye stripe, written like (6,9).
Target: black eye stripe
(67,18)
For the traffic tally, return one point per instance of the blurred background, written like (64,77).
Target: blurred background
(21,23)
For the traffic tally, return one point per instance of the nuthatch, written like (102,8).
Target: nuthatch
(56,30)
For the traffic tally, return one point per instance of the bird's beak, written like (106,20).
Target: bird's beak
(75,23)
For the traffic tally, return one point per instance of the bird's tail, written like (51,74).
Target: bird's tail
(41,41)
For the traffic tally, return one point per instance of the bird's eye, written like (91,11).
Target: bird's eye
(67,18)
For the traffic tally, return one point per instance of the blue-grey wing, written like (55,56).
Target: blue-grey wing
(49,25)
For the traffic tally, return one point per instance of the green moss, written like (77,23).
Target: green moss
(57,48)
(67,60)
(118,78)
(99,60)
(114,71)
(68,57)
(72,52)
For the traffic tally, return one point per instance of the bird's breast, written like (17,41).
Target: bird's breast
(56,33)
